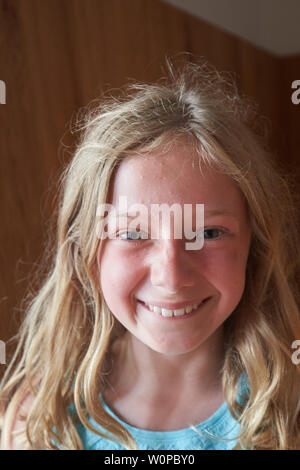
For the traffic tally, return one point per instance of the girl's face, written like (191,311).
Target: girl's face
(162,270)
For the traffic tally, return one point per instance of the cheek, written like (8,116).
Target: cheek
(225,270)
(119,273)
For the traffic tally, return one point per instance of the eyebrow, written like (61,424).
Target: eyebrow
(206,212)
(220,212)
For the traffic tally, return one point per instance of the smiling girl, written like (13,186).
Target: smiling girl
(135,342)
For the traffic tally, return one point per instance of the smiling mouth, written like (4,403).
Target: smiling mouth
(165,314)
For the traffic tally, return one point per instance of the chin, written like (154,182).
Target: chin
(172,349)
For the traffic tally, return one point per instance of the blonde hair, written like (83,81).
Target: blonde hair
(68,328)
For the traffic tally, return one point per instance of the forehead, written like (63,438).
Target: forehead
(174,176)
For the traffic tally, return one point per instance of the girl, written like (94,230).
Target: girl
(134,341)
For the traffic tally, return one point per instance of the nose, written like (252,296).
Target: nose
(171,268)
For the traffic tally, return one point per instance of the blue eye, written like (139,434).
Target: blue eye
(134,238)
(210,230)
(137,236)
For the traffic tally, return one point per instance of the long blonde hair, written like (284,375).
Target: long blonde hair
(68,329)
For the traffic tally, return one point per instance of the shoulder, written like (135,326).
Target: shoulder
(13,435)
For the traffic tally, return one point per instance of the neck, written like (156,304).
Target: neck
(155,377)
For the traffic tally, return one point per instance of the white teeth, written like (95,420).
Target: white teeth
(169,313)
(166,313)
(156,309)
(180,311)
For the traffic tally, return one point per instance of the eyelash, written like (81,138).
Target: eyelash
(133,241)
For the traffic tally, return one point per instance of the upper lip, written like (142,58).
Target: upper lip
(173,306)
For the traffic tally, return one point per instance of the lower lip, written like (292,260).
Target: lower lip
(176,317)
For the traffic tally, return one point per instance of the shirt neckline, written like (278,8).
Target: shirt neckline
(209,424)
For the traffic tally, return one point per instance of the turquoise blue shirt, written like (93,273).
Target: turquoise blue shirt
(220,424)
